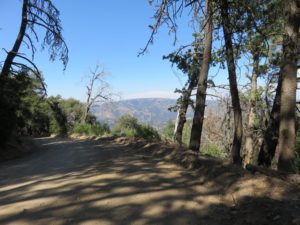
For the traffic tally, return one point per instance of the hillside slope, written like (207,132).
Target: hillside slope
(153,111)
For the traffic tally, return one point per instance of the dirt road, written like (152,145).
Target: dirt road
(101,182)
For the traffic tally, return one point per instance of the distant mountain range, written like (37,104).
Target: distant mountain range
(153,111)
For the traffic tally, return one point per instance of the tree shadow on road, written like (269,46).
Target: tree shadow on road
(101,182)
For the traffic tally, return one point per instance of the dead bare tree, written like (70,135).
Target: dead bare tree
(36,14)
(97,90)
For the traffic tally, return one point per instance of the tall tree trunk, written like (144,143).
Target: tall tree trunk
(238,126)
(182,112)
(252,113)
(268,147)
(202,81)
(86,113)
(87,105)
(287,124)
(12,54)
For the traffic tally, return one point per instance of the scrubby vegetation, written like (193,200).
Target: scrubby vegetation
(215,151)
(168,132)
(96,129)
(25,111)
(259,121)
(130,127)
(208,148)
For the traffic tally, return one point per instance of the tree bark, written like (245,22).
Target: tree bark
(86,113)
(182,113)
(87,105)
(287,124)
(196,132)
(268,147)
(12,54)
(238,126)
(252,113)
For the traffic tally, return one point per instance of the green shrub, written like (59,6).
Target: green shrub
(147,132)
(186,133)
(97,129)
(127,132)
(168,131)
(128,126)
(127,121)
(214,151)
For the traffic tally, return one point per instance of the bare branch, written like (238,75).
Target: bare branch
(97,89)
(33,49)
(166,14)
(33,31)
(159,18)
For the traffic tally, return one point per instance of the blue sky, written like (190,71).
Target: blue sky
(108,32)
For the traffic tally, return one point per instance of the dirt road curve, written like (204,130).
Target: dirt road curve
(100,182)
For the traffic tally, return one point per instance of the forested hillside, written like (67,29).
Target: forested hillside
(153,111)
